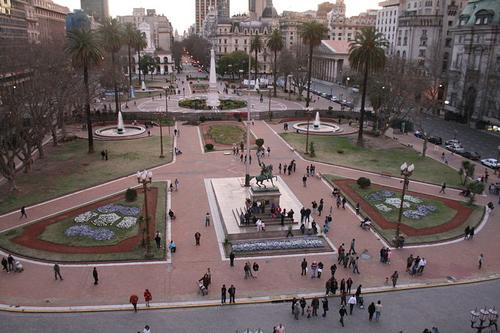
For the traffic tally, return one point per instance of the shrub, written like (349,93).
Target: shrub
(340,151)
(203,119)
(209,147)
(363,182)
(259,143)
(312,151)
(131,194)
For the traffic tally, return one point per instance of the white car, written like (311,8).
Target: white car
(490,163)
(452,142)
(455,148)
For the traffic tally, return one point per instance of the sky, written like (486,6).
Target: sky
(181,12)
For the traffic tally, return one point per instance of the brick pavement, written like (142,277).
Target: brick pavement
(176,281)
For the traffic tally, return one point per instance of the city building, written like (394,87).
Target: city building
(13,23)
(79,20)
(323,10)
(46,21)
(202,7)
(453,10)
(341,27)
(223,8)
(474,73)
(387,22)
(159,35)
(331,60)
(98,9)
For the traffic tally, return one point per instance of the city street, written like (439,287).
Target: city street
(409,311)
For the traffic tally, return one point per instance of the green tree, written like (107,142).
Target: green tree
(111,35)
(275,44)
(129,35)
(256,46)
(287,64)
(140,43)
(177,50)
(366,55)
(83,47)
(147,64)
(467,170)
(475,187)
(312,33)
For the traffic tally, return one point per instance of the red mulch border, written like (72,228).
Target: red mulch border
(29,237)
(463,213)
(205,128)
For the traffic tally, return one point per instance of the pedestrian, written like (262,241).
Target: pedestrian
(352,302)
(355,266)
(197,237)
(207,219)
(255,268)
(349,285)
(23,212)
(96,276)
(223,292)
(303,304)
(133,300)
(294,303)
(466,232)
(303,266)
(296,312)
(324,302)
(394,278)
(106,155)
(378,310)
(342,313)
(320,269)
(232,294)
(304,181)
(409,262)
(471,232)
(443,188)
(103,154)
(172,247)
(10,261)
(147,329)
(231,259)
(315,306)
(5,264)
(279,168)
(357,208)
(308,311)
(147,297)
(57,271)
(177,183)
(158,240)
(371,311)
(480,261)
(352,249)
(344,201)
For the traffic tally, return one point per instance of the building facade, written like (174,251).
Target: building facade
(387,23)
(46,21)
(13,23)
(98,9)
(331,60)
(202,7)
(474,73)
(341,27)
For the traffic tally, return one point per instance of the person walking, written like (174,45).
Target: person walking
(23,212)
(315,306)
(480,261)
(378,310)
(466,232)
(147,329)
(371,311)
(232,294)
(303,266)
(231,259)
(342,313)
(352,249)
(207,220)
(348,284)
(133,300)
(158,240)
(304,181)
(443,188)
(394,278)
(223,293)
(296,312)
(10,262)
(352,302)
(324,302)
(96,276)
(147,297)
(57,271)
(197,237)
(5,265)
(303,304)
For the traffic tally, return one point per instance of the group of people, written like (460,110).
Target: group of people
(10,264)
(469,232)
(416,265)
(349,259)
(134,300)
(309,310)
(385,255)
(287,169)
(248,268)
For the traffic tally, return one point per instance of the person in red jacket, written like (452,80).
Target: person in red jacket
(133,300)
(147,297)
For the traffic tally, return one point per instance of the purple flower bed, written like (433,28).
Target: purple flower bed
(420,212)
(122,210)
(381,195)
(98,234)
(277,244)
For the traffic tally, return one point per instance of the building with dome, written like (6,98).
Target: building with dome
(474,72)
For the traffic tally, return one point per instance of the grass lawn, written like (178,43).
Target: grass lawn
(53,233)
(68,167)
(344,151)
(227,134)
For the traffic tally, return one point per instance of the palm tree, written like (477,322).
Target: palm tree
(140,43)
(275,44)
(84,49)
(312,33)
(129,35)
(366,55)
(111,37)
(256,46)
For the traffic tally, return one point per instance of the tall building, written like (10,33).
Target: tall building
(341,27)
(46,20)
(201,10)
(387,22)
(98,9)
(13,23)
(474,73)
(255,8)
(223,8)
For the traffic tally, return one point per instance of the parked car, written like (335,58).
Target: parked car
(334,99)
(452,142)
(490,163)
(436,140)
(419,134)
(471,155)
(455,148)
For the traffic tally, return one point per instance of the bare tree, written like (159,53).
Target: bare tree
(300,70)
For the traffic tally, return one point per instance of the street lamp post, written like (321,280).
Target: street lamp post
(308,112)
(290,77)
(406,172)
(478,319)
(269,110)
(247,163)
(144,178)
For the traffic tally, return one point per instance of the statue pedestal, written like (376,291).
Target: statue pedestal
(268,196)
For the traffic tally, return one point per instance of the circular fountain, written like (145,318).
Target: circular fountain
(317,127)
(120,131)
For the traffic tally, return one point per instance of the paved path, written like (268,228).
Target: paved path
(410,312)
(176,281)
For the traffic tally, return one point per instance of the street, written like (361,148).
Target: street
(409,311)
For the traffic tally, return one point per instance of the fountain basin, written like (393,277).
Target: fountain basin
(114,132)
(321,129)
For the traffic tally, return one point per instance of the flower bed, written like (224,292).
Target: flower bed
(85,217)
(105,219)
(122,210)
(277,244)
(127,222)
(414,208)
(98,234)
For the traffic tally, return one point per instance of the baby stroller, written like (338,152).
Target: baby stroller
(202,289)
(18,267)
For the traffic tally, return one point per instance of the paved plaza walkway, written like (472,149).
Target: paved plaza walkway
(176,281)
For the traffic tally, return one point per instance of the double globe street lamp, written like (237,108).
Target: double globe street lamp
(406,172)
(144,178)
(478,319)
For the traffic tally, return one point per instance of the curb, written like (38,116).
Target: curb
(243,301)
